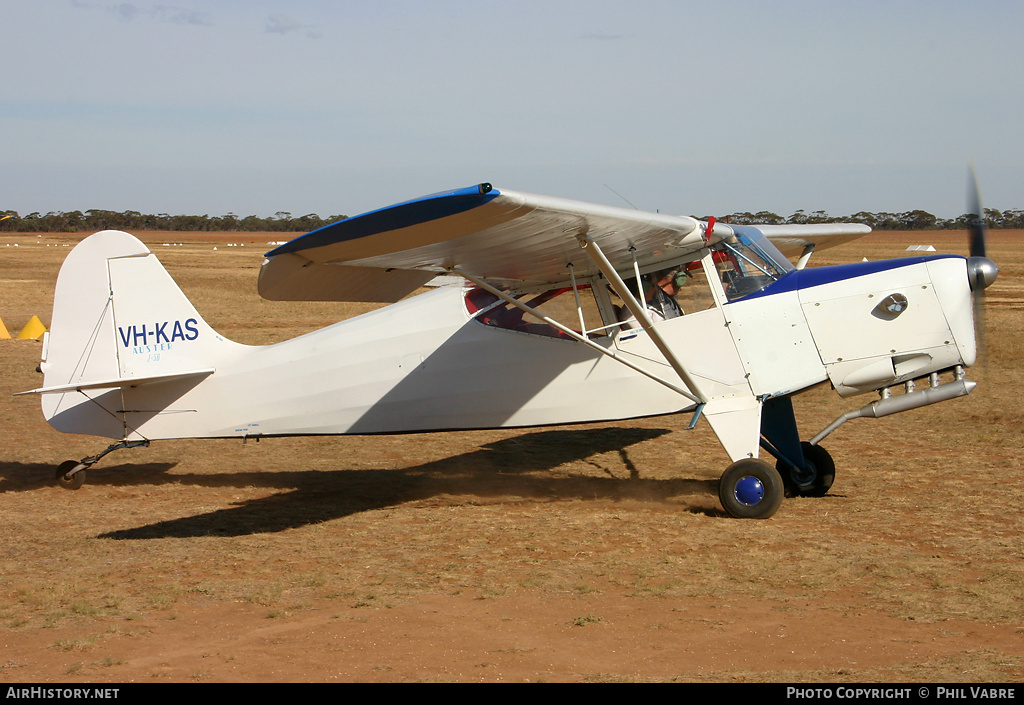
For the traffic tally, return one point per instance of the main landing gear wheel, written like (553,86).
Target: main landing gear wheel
(64,477)
(814,479)
(751,489)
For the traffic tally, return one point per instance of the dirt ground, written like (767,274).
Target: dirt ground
(591,553)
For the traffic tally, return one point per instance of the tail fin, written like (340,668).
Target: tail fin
(119,321)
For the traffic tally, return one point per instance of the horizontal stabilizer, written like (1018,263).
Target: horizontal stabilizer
(120,382)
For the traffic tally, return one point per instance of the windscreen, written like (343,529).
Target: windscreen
(749,264)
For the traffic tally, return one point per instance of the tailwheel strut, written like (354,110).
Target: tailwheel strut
(71,473)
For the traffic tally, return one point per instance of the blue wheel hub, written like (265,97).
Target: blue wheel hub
(748,490)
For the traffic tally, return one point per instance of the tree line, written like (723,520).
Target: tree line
(94,220)
(909,220)
(282,221)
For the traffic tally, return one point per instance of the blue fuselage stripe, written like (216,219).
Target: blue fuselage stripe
(816,276)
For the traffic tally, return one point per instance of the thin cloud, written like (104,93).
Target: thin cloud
(283,24)
(173,14)
(181,15)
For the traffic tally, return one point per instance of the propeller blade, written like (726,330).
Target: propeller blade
(977,223)
(981,270)
(980,337)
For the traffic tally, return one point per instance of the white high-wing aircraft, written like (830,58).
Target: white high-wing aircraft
(556,322)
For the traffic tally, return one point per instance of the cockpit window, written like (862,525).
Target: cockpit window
(557,304)
(748,265)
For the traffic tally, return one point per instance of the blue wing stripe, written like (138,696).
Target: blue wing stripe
(419,210)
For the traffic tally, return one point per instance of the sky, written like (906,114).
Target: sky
(343,106)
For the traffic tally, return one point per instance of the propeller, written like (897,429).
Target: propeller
(981,270)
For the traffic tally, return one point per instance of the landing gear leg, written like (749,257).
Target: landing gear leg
(71,473)
(807,470)
(816,476)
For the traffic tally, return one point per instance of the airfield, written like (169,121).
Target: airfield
(594,553)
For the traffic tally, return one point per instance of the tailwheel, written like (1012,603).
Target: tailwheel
(815,478)
(751,489)
(67,478)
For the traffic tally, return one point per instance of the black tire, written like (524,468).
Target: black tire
(751,489)
(825,469)
(816,477)
(72,482)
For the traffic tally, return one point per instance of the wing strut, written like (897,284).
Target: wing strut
(591,248)
(805,255)
(576,336)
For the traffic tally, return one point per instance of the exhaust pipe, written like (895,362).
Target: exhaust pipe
(960,387)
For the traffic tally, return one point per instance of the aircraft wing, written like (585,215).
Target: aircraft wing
(793,240)
(507,238)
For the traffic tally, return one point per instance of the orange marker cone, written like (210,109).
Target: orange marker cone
(33,330)
(3,330)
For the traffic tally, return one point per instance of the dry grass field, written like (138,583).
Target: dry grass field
(595,553)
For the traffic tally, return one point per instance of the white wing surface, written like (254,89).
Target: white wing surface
(793,240)
(508,238)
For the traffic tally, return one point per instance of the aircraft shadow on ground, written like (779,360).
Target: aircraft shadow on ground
(511,467)
(24,477)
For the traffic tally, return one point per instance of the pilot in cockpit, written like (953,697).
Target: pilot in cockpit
(661,289)
(661,294)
